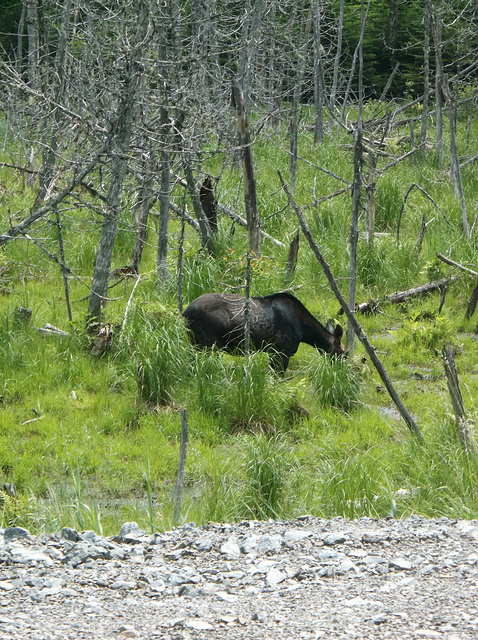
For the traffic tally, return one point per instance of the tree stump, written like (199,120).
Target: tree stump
(462,424)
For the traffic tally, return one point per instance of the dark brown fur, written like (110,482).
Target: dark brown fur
(278,323)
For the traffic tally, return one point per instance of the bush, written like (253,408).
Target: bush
(160,351)
(267,464)
(336,382)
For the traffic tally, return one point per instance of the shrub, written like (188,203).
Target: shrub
(267,464)
(160,350)
(336,381)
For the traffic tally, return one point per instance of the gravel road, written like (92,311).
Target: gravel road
(303,579)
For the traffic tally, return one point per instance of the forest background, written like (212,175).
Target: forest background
(141,145)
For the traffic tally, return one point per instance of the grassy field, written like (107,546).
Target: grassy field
(93,442)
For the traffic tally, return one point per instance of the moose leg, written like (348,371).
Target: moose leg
(279,362)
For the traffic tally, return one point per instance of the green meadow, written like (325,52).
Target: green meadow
(91,442)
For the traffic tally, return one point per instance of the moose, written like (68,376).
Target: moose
(278,323)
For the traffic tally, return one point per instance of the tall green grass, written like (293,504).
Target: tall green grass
(91,442)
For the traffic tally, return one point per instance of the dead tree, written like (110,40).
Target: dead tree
(250,196)
(120,137)
(373,305)
(352,319)
(464,429)
(206,231)
(292,259)
(208,202)
(455,172)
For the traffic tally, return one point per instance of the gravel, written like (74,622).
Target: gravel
(303,579)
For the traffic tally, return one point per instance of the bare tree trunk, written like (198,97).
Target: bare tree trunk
(356,191)
(120,141)
(371,197)
(183,452)
(318,74)
(208,203)
(352,319)
(470,310)
(162,255)
(464,430)
(63,265)
(205,227)
(180,263)
(247,307)
(438,37)
(145,201)
(357,54)
(393,31)
(273,84)
(357,188)
(33,58)
(293,136)
(53,128)
(250,196)
(426,75)
(292,259)
(455,171)
(300,54)
(338,53)
(249,46)
(20,32)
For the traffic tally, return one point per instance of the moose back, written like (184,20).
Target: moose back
(278,323)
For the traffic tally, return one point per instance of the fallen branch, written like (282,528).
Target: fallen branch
(455,264)
(19,228)
(123,324)
(237,218)
(434,285)
(329,173)
(351,317)
(50,330)
(373,305)
(397,160)
(469,161)
(17,168)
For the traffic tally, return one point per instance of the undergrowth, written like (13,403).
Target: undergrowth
(92,442)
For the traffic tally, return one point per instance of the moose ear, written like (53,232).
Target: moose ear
(339,332)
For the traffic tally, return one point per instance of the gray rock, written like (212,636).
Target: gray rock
(345,566)
(70,534)
(122,585)
(231,548)
(296,535)
(305,589)
(16,533)
(130,533)
(275,577)
(401,564)
(373,537)
(205,544)
(198,625)
(269,544)
(29,555)
(335,538)
(249,544)
(82,553)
